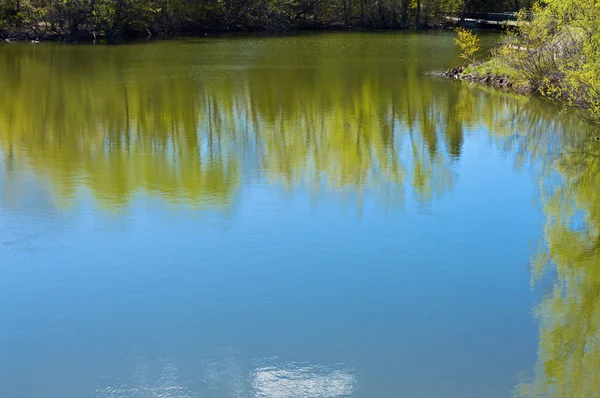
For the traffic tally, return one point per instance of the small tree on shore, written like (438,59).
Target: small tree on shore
(468,42)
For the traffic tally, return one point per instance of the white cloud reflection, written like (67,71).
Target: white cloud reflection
(300,381)
(223,375)
(148,378)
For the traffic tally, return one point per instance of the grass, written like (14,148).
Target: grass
(496,66)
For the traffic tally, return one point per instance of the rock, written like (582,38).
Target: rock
(488,78)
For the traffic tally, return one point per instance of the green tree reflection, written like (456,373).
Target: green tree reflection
(569,348)
(119,122)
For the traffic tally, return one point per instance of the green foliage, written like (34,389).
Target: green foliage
(558,52)
(117,18)
(468,42)
(499,65)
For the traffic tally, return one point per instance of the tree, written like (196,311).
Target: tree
(468,43)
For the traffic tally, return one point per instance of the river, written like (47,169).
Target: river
(303,215)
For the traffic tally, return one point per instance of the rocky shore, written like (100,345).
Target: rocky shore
(488,79)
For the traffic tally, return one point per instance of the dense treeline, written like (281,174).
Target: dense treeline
(119,18)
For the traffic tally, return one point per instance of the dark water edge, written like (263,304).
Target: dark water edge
(12,35)
(24,34)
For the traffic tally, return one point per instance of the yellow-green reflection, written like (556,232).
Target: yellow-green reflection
(191,121)
(187,120)
(569,349)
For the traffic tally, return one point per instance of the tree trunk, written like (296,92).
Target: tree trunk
(517,5)
(362,13)
(466,8)
(404,14)
(418,17)
(347,10)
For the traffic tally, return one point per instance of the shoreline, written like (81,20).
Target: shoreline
(489,79)
(506,84)
(11,36)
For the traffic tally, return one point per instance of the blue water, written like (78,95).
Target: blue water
(287,288)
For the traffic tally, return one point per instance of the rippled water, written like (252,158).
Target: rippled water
(294,216)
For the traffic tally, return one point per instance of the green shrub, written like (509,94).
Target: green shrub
(468,42)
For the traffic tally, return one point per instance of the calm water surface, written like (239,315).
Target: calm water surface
(295,216)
